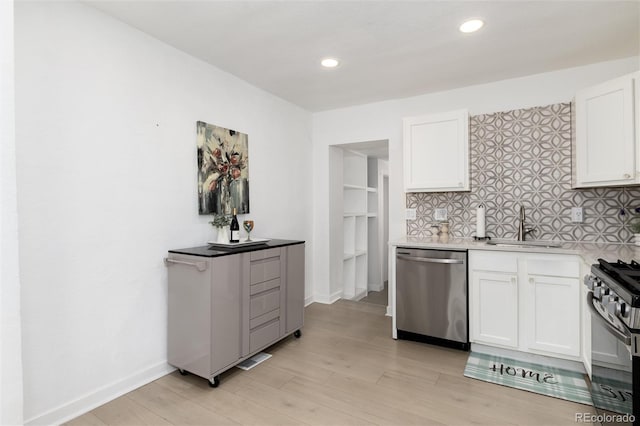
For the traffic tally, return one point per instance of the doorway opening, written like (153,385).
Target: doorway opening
(359,221)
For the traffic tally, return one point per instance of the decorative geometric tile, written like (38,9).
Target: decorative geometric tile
(523,157)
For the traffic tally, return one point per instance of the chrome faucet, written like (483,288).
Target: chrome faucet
(522,230)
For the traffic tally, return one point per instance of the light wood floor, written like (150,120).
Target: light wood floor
(378,297)
(344,370)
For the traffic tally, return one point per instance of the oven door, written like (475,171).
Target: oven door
(614,374)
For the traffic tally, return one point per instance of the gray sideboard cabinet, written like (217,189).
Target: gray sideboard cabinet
(226,306)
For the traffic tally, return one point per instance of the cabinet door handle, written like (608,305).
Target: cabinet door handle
(460,184)
(513,280)
(200,266)
(532,280)
(627,176)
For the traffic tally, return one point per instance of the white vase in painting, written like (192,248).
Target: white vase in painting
(223,235)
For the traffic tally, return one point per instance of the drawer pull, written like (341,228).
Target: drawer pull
(200,266)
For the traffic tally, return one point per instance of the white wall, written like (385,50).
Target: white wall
(383,120)
(10,340)
(106,156)
(383,222)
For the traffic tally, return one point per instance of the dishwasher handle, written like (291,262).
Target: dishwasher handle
(430,259)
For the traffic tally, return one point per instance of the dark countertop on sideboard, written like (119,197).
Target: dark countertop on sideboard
(210,251)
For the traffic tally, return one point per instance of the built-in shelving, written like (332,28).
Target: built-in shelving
(357,187)
(354,212)
(374,202)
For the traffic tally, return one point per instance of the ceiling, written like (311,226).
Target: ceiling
(388,49)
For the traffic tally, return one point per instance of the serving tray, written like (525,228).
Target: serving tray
(242,243)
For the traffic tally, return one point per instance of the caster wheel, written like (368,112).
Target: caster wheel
(297,334)
(215,382)
(183,372)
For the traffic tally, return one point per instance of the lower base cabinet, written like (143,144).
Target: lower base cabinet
(494,292)
(223,310)
(552,312)
(526,301)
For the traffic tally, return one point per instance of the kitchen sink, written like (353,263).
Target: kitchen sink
(516,243)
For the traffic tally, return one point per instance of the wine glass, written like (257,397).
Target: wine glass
(248,226)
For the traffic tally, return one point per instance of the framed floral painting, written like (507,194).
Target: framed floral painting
(223,170)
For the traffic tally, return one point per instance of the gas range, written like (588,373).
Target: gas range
(614,302)
(617,286)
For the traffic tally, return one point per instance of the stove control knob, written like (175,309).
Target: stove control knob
(598,291)
(588,281)
(622,310)
(612,304)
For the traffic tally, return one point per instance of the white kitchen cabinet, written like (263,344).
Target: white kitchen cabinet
(494,313)
(436,152)
(526,301)
(552,301)
(552,297)
(607,136)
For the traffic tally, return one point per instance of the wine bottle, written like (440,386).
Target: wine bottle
(235,228)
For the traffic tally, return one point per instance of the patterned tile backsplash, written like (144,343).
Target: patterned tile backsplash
(523,157)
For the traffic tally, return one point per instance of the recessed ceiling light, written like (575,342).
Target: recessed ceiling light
(329,62)
(472,25)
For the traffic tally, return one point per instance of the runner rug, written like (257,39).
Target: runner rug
(550,381)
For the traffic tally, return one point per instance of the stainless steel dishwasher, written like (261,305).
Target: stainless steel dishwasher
(431,297)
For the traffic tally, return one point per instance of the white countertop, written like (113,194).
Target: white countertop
(590,252)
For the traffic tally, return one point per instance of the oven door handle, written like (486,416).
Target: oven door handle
(623,337)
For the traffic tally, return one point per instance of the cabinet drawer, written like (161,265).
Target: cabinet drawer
(265,254)
(264,286)
(263,319)
(556,266)
(265,270)
(263,336)
(493,261)
(264,303)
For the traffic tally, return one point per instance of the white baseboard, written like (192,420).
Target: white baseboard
(376,286)
(308,300)
(389,313)
(359,295)
(321,298)
(100,396)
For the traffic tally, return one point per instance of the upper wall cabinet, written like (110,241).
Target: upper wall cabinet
(607,136)
(436,152)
